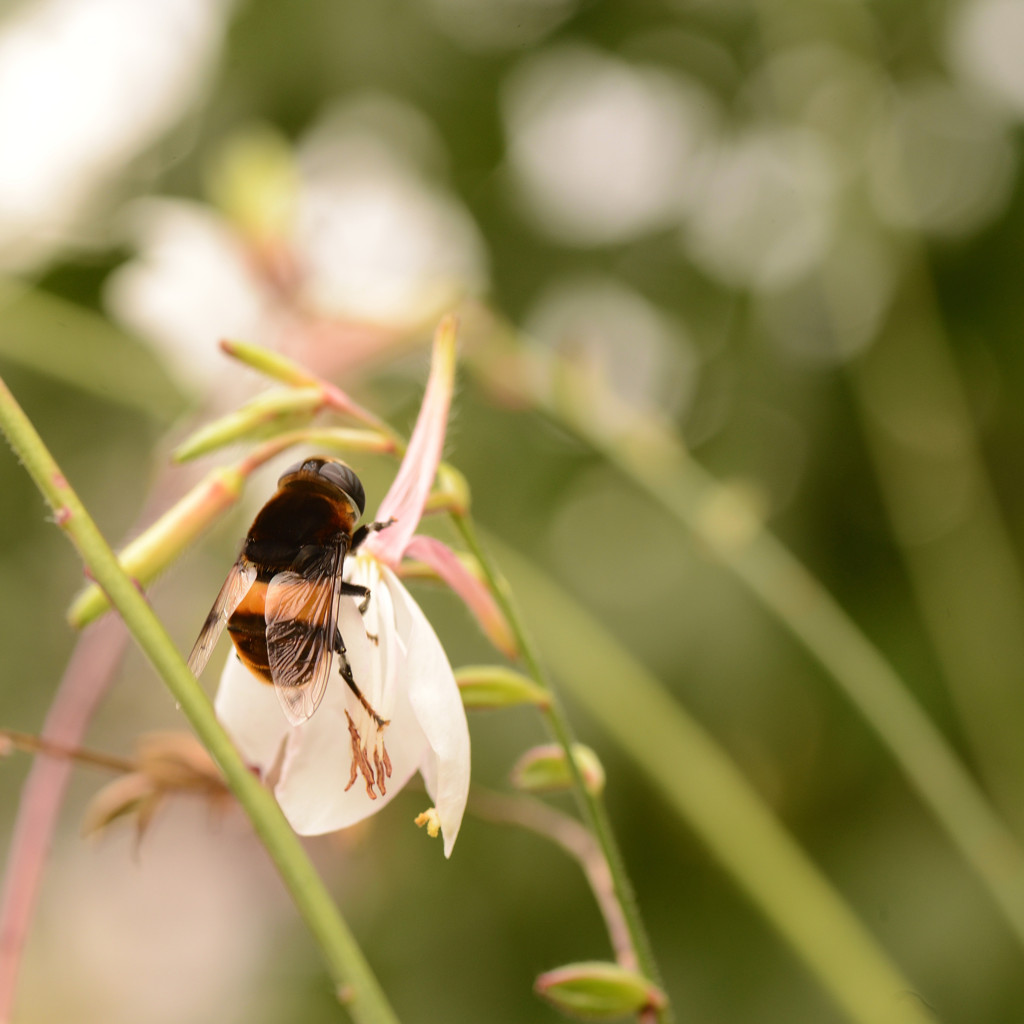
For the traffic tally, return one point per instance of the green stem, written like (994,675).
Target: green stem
(576,840)
(812,615)
(357,986)
(647,452)
(591,804)
(964,571)
(705,788)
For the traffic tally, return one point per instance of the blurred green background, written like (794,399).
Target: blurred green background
(793,231)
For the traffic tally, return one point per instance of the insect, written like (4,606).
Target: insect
(280,599)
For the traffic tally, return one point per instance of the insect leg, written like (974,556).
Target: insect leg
(377,771)
(364,531)
(346,673)
(357,590)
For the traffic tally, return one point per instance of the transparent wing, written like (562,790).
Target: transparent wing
(236,586)
(302,616)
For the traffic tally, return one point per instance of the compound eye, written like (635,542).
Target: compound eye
(309,467)
(292,470)
(345,479)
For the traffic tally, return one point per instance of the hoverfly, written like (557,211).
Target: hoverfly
(280,599)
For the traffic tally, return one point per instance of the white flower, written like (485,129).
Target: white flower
(350,758)
(85,86)
(405,676)
(603,151)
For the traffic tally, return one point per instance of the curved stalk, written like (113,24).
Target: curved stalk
(646,451)
(591,804)
(704,787)
(800,602)
(357,986)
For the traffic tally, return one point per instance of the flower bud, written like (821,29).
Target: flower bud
(166,764)
(494,686)
(599,991)
(287,371)
(545,769)
(450,493)
(155,549)
(269,363)
(273,411)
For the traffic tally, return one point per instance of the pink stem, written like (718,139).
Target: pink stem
(82,687)
(575,840)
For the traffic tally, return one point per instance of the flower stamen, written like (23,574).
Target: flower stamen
(374,774)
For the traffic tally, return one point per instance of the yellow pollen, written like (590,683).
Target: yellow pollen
(432,820)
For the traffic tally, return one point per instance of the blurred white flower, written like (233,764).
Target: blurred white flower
(942,161)
(986,43)
(499,24)
(643,354)
(126,924)
(834,313)
(85,86)
(376,240)
(370,244)
(191,285)
(766,215)
(829,89)
(603,151)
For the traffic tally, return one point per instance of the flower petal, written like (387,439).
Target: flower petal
(317,764)
(411,487)
(475,595)
(249,710)
(434,696)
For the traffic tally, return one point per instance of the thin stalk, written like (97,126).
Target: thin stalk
(577,841)
(31,744)
(357,986)
(648,453)
(705,788)
(800,602)
(81,687)
(923,440)
(591,805)
(959,554)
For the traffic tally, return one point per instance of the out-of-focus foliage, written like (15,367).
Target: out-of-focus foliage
(793,229)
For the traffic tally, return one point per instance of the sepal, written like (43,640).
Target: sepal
(494,686)
(545,769)
(599,991)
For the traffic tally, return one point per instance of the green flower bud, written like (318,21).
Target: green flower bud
(599,991)
(271,412)
(269,363)
(494,686)
(158,547)
(545,769)
(450,493)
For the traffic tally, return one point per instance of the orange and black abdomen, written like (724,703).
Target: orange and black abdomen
(291,531)
(247,628)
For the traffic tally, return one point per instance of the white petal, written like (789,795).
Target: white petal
(379,680)
(318,759)
(437,704)
(249,710)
